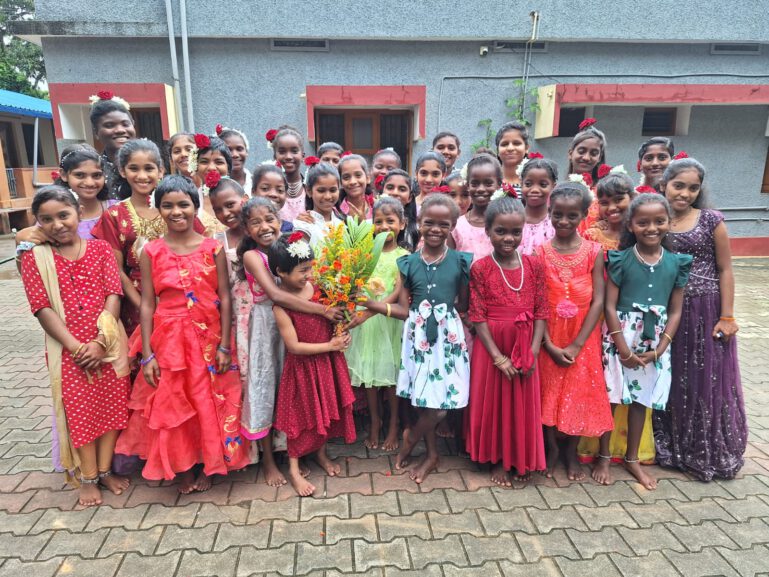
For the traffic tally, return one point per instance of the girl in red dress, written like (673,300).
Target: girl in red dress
(74,290)
(186,400)
(508,306)
(574,400)
(315,396)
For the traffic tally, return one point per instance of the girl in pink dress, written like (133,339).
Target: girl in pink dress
(537,181)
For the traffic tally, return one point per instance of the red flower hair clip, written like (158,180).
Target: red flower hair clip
(587,123)
(202,141)
(588,178)
(638,166)
(509,189)
(295,237)
(379,182)
(346,153)
(105,94)
(681,155)
(446,189)
(218,129)
(645,189)
(270,135)
(213,178)
(55,175)
(603,170)
(533,155)
(311,160)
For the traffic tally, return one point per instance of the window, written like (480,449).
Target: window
(568,124)
(365,131)
(659,122)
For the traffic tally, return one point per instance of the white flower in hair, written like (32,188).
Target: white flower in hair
(519,170)
(499,193)
(619,169)
(463,173)
(299,249)
(108,95)
(578,178)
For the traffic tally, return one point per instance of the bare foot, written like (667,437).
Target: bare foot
(500,476)
(428,465)
(187,482)
(304,469)
(301,485)
(573,468)
(552,460)
(402,460)
(114,483)
(444,430)
(635,469)
(391,441)
(90,494)
(523,477)
(202,483)
(332,468)
(601,470)
(272,475)
(372,441)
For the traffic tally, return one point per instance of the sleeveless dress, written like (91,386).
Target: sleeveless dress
(374,356)
(192,415)
(642,312)
(535,235)
(573,398)
(703,430)
(504,418)
(472,239)
(435,365)
(588,446)
(315,397)
(265,363)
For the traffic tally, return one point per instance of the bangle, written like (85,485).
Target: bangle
(100,343)
(615,332)
(224,350)
(77,351)
(146,361)
(668,337)
(499,361)
(656,358)
(727,318)
(389,309)
(630,356)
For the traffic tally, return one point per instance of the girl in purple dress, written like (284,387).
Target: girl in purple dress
(703,430)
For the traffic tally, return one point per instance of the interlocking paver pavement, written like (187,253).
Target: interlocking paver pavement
(373,520)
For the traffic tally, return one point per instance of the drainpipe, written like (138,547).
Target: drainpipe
(527,61)
(174,65)
(186,62)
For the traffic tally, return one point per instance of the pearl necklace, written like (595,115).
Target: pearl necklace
(502,272)
(430,283)
(294,189)
(651,265)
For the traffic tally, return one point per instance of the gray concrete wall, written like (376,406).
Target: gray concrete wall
(241,83)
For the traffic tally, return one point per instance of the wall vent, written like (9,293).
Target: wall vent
(500,46)
(298,45)
(744,49)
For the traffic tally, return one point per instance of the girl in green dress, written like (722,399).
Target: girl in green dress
(374,356)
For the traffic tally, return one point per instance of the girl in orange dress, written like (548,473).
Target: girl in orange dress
(186,400)
(574,400)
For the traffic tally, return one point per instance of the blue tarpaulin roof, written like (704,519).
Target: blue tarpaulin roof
(16,103)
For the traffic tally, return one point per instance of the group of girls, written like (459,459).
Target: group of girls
(223,356)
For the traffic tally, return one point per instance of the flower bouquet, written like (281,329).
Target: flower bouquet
(344,264)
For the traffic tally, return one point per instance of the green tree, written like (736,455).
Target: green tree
(21,63)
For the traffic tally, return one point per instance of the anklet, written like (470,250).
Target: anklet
(631,461)
(94,481)
(105,474)
(608,457)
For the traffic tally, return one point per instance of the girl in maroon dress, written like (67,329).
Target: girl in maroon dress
(508,306)
(315,396)
(74,290)
(186,400)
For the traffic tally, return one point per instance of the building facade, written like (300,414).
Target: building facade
(395,73)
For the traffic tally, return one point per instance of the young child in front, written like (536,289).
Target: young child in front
(261,223)
(538,178)
(374,357)
(574,401)
(314,397)
(688,435)
(435,366)
(509,308)
(186,400)
(269,181)
(644,297)
(73,288)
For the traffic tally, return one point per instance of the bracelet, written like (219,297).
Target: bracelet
(727,318)
(224,350)
(668,337)
(389,309)
(615,332)
(77,351)
(656,358)
(630,356)
(146,361)
(101,344)
(499,361)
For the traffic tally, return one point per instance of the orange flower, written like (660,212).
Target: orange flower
(350,307)
(323,269)
(344,279)
(337,265)
(343,298)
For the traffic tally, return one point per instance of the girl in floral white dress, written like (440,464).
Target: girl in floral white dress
(435,366)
